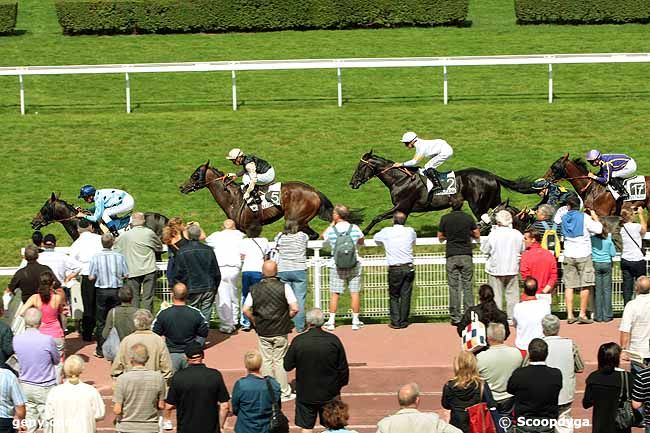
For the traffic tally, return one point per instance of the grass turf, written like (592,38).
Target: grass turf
(498,118)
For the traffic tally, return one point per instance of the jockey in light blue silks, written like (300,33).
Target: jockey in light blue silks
(614,167)
(109,203)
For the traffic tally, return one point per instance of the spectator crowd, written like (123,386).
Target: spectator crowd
(157,352)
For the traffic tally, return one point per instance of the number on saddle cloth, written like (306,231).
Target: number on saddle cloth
(447,181)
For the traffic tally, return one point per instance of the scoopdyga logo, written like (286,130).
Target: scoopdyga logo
(545,423)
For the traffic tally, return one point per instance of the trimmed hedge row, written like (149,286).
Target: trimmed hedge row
(8,12)
(582,11)
(178,16)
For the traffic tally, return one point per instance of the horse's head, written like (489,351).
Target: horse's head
(54,209)
(196,180)
(557,171)
(366,169)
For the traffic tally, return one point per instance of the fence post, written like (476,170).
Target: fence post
(550,83)
(128,92)
(339,87)
(22,95)
(445,85)
(316,261)
(234,90)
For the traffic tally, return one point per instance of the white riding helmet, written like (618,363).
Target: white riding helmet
(409,136)
(234,154)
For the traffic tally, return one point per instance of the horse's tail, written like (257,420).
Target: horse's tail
(522,185)
(326,208)
(356,216)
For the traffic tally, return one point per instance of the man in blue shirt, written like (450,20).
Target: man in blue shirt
(12,400)
(613,168)
(109,203)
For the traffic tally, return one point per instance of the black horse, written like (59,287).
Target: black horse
(520,220)
(58,210)
(481,189)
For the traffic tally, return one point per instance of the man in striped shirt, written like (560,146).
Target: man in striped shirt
(108,269)
(641,395)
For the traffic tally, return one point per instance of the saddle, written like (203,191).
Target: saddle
(634,187)
(447,181)
(264,196)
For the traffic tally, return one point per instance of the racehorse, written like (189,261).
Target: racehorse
(481,189)
(298,201)
(594,195)
(58,210)
(520,220)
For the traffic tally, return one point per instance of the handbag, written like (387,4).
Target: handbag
(474,336)
(279,422)
(624,412)
(480,419)
(274,253)
(112,344)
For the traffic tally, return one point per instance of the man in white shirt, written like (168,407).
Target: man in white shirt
(82,250)
(438,150)
(398,241)
(578,268)
(225,244)
(64,267)
(503,248)
(528,314)
(635,325)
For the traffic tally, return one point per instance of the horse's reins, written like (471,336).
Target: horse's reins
(584,188)
(402,169)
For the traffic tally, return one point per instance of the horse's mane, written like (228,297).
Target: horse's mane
(580,163)
(377,157)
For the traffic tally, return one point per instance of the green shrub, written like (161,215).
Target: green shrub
(582,11)
(177,16)
(8,12)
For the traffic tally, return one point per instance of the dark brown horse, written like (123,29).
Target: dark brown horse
(594,195)
(59,211)
(299,201)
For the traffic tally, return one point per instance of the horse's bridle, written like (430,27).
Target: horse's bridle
(564,173)
(371,165)
(195,186)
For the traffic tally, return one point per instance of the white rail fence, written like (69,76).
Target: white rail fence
(338,64)
(430,290)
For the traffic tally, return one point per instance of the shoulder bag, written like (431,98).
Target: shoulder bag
(633,240)
(474,336)
(480,419)
(279,422)
(112,344)
(624,412)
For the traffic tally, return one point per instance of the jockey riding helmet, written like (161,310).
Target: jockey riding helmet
(234,154)
(593,155)
(408,137)
(540,184)
(86,191)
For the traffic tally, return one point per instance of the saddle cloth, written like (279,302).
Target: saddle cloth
(447,180)
(635,187)
(270,195)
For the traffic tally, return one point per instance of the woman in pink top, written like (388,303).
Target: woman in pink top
(51,304)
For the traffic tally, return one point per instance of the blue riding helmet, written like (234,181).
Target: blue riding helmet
(86,191)
(540,184)
(593,155)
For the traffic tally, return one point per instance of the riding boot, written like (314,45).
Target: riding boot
(432,174)
(112,227)
(617,183)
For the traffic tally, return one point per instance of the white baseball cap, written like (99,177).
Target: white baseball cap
(234,153)
(409,136)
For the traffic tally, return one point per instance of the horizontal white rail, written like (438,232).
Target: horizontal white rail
(337,64)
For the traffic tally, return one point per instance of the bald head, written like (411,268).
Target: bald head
(409,395)
(229,224)
(179,292)
(643,285)
(137,219)
(270,268)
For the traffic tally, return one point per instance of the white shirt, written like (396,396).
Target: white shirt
(636,321)
(253,251)
(84,248)
(503,248)
(226,247)
(428,148)
(74,408)
(288,294)
(528,316)
(398,241)
(631,251)
(580,246)
(61,264)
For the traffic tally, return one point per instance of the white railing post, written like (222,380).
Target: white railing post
(22,95)
(445,89)
(234,90)
(316,262)
(550,83)
(339,87)
(128,92)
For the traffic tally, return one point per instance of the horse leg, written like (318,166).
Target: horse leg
(379,218)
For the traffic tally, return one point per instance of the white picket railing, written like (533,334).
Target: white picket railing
(339,64)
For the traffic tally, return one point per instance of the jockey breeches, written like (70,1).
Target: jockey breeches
(627,171)
(262,179)
(124,207)
(437,160)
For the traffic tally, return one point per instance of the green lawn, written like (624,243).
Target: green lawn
(498,118)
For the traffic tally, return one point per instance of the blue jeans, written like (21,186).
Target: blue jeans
(248,278)
(603,291)
(298,282)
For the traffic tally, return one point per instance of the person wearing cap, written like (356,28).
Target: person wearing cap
(196,392)
(109,203)
(614,167)
(256,171)
(437,150)
(551,193)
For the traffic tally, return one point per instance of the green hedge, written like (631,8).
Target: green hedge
(582,11)
(177,16)
(8,12)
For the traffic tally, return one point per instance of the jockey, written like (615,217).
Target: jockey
(109,203)
(256,171)
(552,194)
(613,168)
(438,150)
